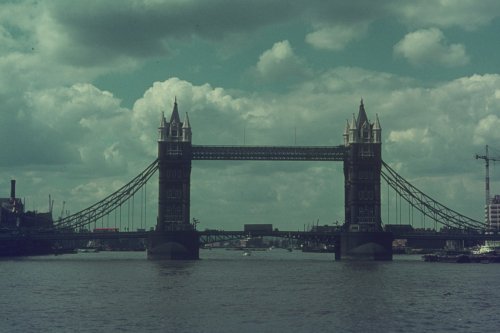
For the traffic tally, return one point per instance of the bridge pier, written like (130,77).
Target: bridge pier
(365,246)
(174,245)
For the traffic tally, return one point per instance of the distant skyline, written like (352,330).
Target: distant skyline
(83,85)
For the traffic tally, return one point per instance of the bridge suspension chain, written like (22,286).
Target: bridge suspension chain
(108,204)
(427,205)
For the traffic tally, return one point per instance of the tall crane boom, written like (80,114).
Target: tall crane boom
(62,210)
(487,160)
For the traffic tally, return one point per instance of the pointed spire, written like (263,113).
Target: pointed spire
(186,129)
(353,130)
(376,126)
(377,131)
(174,118)
(346,133)
(362,118)
(163,121)
(186,123)
(163,129)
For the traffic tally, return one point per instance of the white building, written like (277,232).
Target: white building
(492,212)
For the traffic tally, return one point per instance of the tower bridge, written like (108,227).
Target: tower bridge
(361,236)
(361,153)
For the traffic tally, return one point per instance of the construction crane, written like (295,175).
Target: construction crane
(51,205)
(62,210)
(487,160)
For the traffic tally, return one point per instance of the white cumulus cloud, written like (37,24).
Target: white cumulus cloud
(429,46)
(487,130)
(335,37)
(412,135)
(469,14)
(280,62)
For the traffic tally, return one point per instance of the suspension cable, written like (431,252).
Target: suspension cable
(427,205)
(108,204)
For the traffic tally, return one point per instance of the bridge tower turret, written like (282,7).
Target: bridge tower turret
(362,166)
(175,237)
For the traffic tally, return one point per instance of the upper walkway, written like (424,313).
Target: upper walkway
(269,153)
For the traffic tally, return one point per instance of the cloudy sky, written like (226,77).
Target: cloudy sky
(83,84)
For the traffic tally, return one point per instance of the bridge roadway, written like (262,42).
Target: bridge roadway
(205,236)
(211,236)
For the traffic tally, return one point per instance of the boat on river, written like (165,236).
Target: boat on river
(485,258)
(488,248)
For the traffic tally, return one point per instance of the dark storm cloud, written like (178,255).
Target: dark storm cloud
(142,29)
(100,31)
(25,150)
(24,142)
(345,12)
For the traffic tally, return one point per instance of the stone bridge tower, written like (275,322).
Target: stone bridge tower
(174,167)
(175,237)
(362,173)
(363,234)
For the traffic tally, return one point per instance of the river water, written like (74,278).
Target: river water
(270,291)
